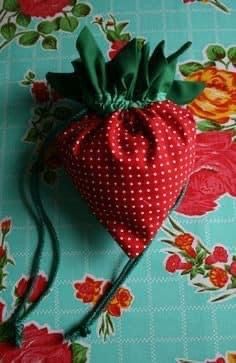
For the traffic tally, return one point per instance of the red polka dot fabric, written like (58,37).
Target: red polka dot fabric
(131,166)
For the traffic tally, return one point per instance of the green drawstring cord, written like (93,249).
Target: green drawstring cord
(11,330)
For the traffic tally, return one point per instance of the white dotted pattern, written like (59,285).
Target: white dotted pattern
(130,167)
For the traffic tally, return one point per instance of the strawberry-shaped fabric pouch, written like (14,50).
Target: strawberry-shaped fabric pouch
(129,152)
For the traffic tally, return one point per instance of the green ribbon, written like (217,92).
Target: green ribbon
(131,79)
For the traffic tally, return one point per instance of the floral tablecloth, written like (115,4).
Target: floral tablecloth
(179,304)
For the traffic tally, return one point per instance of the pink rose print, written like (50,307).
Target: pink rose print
(215,173)
(40,91)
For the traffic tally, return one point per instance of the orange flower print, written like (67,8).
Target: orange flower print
(231,358)
(114,308)
(218,277)
(184,240)
(121,300)
(217,102)
(124,297)
(89,290)
(190,251)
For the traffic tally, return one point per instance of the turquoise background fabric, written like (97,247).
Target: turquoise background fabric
(168,319)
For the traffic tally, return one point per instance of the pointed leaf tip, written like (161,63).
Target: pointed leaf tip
(84,35)
(178,52)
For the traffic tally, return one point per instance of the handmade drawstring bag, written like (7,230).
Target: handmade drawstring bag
(129,152)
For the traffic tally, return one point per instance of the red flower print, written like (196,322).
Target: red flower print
(39,345)
(190,251)
(42,8)
(2,252)
(232,268)
(220,254)
(38,287)
(215,173)
(40,91)
(21,287)
(116,47)
(185,266)
(89,290)
(188,1)
(173,263)
(5,226)
(121,300)
(210,260)
(184,242)
(114,309)
(124,297)
(218,277)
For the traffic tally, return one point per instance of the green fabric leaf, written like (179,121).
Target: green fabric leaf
(77,64)
(68,24)
(157,63)
(49,42)
(93,61)
(164,81)
(167,75)
(123,69)
(183,92)
(8,31)
(66,84)
(23,20)
(179,52)
(130,79)
(142,83)
(79,353)
(29,38)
